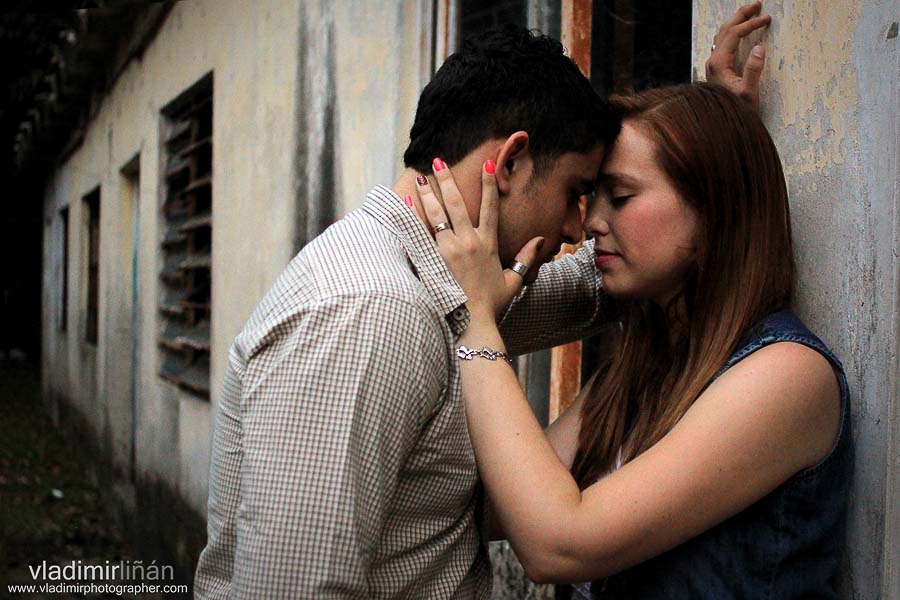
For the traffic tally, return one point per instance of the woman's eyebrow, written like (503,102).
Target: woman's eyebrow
(612,178)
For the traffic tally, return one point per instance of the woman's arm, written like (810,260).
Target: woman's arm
(768,417)
(563,437)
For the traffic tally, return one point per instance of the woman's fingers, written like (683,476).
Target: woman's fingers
(753,69)
(721,68)
(516,275)
(489,216)
(434,212)
(742,14)
(453,202)
(728,42)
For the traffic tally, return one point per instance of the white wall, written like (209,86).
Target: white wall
(312,103)
(252,50)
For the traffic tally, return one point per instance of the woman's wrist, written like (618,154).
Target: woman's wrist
(483,321)
(480,313)
(482,331)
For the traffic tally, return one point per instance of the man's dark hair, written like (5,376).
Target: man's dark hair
(503,81)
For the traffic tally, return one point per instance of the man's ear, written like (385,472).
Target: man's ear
(511,160)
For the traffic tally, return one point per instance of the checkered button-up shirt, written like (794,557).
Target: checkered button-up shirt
(342,466)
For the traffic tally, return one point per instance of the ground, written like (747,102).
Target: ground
(50,509)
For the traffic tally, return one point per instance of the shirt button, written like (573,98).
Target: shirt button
(459,314)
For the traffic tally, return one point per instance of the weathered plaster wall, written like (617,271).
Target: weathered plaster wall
(312,104)
(830,99)
(252,50)
(383,60)
(361,68)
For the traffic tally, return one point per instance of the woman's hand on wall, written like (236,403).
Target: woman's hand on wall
(721,68)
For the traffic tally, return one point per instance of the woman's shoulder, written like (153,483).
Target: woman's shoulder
(796,388)
(779,327)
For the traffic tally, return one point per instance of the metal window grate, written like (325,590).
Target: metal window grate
(186,242)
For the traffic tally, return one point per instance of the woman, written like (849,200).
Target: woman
(709,456)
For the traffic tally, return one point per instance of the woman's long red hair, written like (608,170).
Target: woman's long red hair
(719,156)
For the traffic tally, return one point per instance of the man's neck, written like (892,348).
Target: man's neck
(406,186)
(466,174)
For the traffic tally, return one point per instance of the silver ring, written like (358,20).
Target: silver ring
(520,268)
(441,226)
(713,49)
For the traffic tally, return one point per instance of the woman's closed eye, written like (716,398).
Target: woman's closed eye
(618,200)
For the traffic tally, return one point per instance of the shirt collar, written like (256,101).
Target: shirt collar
(389,210)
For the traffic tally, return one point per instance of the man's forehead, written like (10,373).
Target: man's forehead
(581,167)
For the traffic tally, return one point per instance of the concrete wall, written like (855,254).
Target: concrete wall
(311,105)
(830,98)
(252,51)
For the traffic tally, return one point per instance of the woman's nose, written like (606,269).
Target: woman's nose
(595,225)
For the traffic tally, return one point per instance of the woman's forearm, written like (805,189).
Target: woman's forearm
(534,496)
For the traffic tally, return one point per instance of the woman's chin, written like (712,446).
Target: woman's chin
(617,291)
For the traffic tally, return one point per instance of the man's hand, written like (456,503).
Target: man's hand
(721,68)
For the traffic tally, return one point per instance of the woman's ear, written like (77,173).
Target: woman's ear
(511,159)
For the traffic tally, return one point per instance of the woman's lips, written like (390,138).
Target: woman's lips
(604,259)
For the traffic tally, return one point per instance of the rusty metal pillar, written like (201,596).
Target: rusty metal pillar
(565,369)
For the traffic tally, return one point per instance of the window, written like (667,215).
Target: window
(92,209)
(187,239)
(64,300)
(479,16)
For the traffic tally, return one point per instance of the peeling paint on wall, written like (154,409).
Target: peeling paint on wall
(822,99)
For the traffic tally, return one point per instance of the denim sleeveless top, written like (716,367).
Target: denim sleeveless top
(786,545)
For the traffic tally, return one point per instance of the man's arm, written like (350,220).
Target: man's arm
(564,304)
(214,569)
(330,412)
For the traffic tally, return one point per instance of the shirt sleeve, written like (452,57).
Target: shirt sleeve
(216,563)
(564,304)
(331,408)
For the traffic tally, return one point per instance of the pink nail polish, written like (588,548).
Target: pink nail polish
(489,167)
(408,201)
(438,164)
(421,180)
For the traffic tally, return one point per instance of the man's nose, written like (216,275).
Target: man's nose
(571,233)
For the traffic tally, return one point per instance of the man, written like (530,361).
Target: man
(341,463)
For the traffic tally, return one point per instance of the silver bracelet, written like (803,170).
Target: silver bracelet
(464,353)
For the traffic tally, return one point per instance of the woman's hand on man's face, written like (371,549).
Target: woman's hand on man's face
(471,253)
